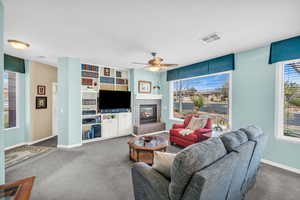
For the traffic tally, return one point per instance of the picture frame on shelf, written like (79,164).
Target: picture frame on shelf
(106,71)
(41,102)
(118,74)
(41,90)
(145,87)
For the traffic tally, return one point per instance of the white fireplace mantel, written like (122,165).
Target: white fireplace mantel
(148,96)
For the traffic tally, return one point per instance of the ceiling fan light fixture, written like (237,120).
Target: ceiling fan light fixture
(18,44)
(154,68)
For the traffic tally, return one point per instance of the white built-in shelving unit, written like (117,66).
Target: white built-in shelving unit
(93,79)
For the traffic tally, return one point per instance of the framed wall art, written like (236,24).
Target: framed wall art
(41,90)
(41,102)
(145,87)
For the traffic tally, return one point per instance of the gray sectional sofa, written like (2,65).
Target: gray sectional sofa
(217,169)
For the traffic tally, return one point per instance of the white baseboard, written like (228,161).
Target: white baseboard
(68,146)
(291,169)
(15,146)
(153,133)
(41,140)
(28,143)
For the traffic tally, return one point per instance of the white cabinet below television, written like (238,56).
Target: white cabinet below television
(116,124)
(125,123)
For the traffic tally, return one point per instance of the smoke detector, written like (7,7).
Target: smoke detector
(211,38)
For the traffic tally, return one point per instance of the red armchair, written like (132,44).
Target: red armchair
(195,137)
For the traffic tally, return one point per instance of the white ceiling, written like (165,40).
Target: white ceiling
(119,32)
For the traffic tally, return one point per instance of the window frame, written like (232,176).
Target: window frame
(17,104)
(279,103)
(171,113)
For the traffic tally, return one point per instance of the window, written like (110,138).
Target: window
(288,104)
(207,95)
(9,96)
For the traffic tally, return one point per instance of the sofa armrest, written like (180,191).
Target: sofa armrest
(148,184)
(203,134)
(202,130)
(178,126)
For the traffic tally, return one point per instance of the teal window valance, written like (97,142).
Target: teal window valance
(288,49)
(14,64)
(220,64)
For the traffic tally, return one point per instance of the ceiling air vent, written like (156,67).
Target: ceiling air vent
(211,37)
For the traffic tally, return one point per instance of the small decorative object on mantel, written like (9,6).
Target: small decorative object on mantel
(145,87)
(156,88)
(41,102)
(41,90)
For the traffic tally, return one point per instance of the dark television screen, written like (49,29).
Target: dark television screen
(114,99)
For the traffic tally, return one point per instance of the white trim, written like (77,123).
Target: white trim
(28,143)
(153,133)
(148,96)
(102,139)
(176,119)
(69,146)
(171,99)
(15,146)
(41,140)
(279,104)
(291,169)
(171,116)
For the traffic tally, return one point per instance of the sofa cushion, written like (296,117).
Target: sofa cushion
(162,162)
(233,139)
(188,119)
(253,132)
(190,160)
(196,123)
(191,137)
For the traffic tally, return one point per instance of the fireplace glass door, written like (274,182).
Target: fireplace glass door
(148,114)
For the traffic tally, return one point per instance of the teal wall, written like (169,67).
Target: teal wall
(2,177)
(253,102)
(69,102)
(143,75)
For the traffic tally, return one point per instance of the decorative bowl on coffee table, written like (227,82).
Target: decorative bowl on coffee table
(141,148)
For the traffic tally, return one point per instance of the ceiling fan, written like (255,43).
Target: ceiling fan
(155,64)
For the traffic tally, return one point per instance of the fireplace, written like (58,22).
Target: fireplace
(148,113)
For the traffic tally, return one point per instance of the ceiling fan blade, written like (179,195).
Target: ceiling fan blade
(168,65)
(140,63)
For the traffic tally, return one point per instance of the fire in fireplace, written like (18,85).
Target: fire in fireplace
(148,113)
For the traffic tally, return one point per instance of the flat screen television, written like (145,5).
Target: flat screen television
(114,99)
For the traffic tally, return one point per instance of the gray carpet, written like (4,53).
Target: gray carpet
(101,170)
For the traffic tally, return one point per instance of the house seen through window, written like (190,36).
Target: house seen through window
(208,95)
(9,97)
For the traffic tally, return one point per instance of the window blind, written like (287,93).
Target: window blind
(288,49)
(220,64)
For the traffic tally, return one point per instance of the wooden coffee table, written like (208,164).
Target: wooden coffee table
(141,148)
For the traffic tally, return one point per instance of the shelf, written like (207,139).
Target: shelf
(99,123)
(92,115)
(83,70)
(85,91)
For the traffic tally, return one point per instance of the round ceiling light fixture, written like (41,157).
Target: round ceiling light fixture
(18,44)
(153,68)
